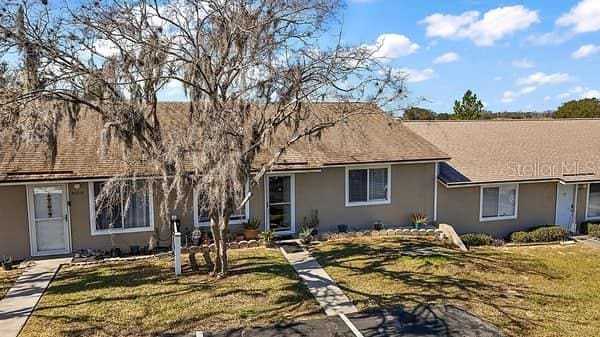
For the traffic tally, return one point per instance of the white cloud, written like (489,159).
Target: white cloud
(581,92)
(105,48)
(391,46)
(540,78)
(498,78)
(549,38)
(447,25)
(582,18)
(417,75)
(547,98)
(585,51)
(523,64)
(509,95)
(485,30)
(447,58)
(590,93)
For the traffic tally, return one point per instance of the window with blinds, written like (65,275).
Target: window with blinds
(367,186)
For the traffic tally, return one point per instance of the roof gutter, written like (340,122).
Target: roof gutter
(506,182)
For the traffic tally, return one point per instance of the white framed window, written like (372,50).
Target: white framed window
(499,202)
(368,185)
(118,218)
(592,211)
(201,218)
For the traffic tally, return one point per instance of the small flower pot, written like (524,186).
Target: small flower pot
(378,226)
(306,239)
(251,234)
(417,226)
(7,265)
(343,228)
(134,250)
(115,252)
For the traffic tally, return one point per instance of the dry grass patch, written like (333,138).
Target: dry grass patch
(7,279)
(526,291)
(143,298)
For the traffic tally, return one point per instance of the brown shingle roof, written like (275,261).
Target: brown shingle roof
(363,139)
(515,150)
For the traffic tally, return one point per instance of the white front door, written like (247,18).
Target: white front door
(279,198)
(48,220)
(565,206)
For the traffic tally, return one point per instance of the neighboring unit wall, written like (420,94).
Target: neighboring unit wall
(459,207)
(14,226)
(412,191)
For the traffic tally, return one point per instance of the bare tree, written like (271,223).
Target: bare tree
(251,70)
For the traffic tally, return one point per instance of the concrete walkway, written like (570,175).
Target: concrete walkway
(588,241)
(21,299)
(330,297)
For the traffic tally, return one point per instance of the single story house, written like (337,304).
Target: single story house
(367,169)
(509,175)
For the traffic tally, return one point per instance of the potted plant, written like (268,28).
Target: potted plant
(251,229)
(343,228)
(378,225)
(418,220)
(306,235)
(7,263)
(267,237)
(312,222)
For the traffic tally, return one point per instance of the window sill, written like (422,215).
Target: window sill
(122,231)
(592,218)
(497,218)
(207,224)
(368,203)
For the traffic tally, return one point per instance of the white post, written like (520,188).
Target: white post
(177,251)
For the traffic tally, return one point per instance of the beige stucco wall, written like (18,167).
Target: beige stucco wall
(460,207)
(412,191)
(14,228)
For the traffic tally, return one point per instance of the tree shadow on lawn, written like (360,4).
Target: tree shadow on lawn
(78,288)
(423,284)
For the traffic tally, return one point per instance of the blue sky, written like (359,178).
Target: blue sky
(527,55)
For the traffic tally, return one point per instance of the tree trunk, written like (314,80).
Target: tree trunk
(223,225)
(214,227)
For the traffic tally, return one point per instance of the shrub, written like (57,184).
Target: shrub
(497,242)
(594,230)
(476,239)
(541,234)
(549,234)
(520,237)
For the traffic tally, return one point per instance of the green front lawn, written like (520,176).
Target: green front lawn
(7,279)
(526,291)
(144,298)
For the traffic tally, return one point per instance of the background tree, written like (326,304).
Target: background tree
(416,113)
(583,108)
(251,70)
(469,107)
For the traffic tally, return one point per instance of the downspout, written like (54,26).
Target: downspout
(435,191)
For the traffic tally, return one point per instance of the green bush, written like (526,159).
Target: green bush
(541,234)
(594,230)
(476,239)
(549,234)
(520,237)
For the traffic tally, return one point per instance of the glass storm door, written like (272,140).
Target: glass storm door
(49,226)
(280,203)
